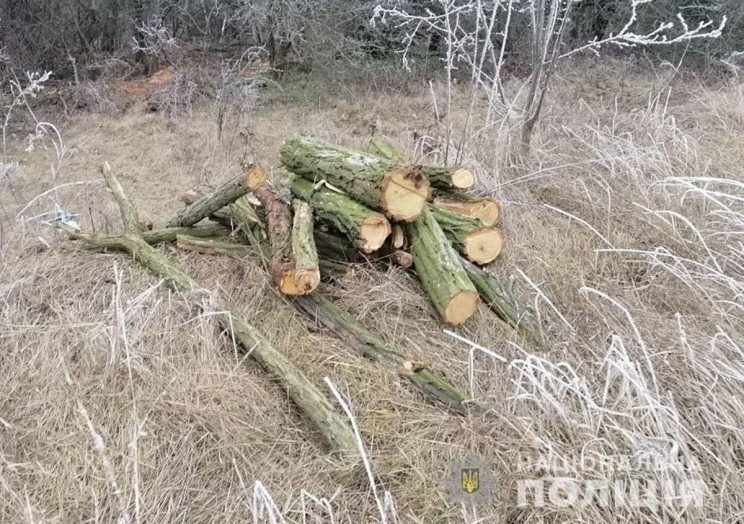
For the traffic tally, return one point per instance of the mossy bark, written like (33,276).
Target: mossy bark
(208,203)
(440,270)
(307,274)
(399,191)
(365,228)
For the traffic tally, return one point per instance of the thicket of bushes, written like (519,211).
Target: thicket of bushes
(89,37)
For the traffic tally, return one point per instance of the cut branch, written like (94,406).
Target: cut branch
(306,274)
(486,210)
(501,301)
(367,229)
(208,203)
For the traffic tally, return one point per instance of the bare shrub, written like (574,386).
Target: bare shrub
(177,97)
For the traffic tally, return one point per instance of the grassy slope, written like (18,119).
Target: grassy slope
(188,428)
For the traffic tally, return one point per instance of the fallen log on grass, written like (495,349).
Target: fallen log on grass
(399,191)
(438,267)
(208,203)
(479,243)
(304,393)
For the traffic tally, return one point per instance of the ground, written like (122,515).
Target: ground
(120,399)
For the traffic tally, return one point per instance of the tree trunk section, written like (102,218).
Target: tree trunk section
(478,243)
(399,191)
(440,270)
(306,273)
(367,229)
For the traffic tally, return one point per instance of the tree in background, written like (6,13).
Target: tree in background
(475,35)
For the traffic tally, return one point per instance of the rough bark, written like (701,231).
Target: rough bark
(486,210)
(361,339)
(478,243)
(306,273)
(399,191)
(279,226)
(208,203)
(306,396)
(367,229)
(383,148)
(501,301)
(440,270)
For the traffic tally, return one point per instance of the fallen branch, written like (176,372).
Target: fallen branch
(304,393)
(372,347)
(501,301)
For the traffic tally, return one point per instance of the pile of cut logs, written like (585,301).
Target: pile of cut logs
(330,205)
(326,207)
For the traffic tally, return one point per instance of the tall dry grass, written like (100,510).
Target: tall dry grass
(120,400)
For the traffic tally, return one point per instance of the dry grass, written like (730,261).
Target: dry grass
(119,399)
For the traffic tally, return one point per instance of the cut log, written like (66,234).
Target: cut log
(449,177)
(485,209)
(361,339)
(440,270)
(383,148)
(478,243)
(335,247)
(388,253)
(397,190)
(306,272)
(367,229)
(501,301)
(316,406)
(213,201)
